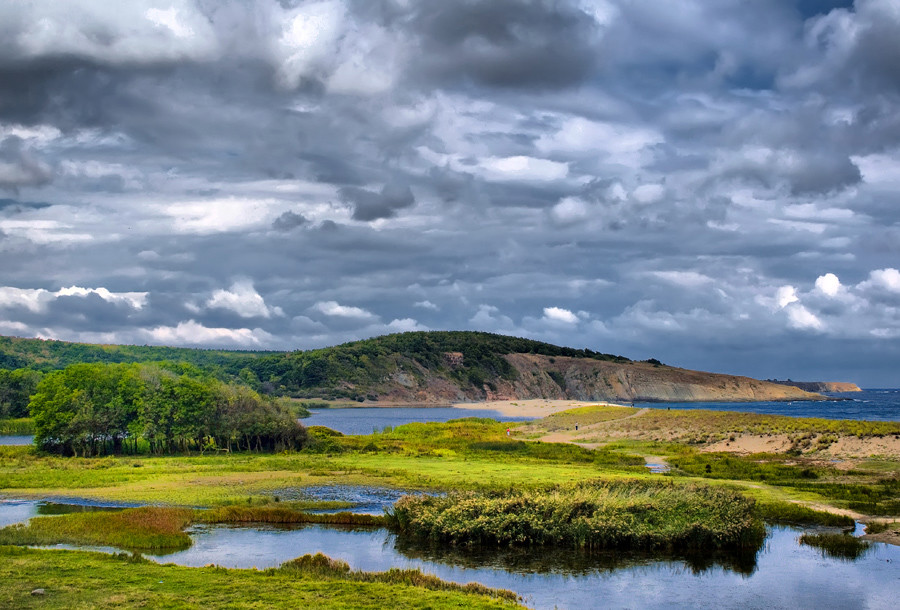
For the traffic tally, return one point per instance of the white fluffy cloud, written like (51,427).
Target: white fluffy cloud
(194,333)
(37,299)
(883,279)
(523,168)
(335,309)
(243,300)
(828,284)
(558,314)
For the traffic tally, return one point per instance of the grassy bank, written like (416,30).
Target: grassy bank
(73,579)
(599,515)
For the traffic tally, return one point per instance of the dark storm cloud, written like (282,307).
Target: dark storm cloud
(506,43)
(653,179)
(14,206)
(385,204)
(289,220)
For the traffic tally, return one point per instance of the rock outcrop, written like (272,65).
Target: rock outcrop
(821,386)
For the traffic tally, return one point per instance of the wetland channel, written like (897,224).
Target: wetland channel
(783,574)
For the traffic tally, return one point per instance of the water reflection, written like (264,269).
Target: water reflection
(783,574)
(571,561)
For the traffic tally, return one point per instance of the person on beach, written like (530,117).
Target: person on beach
(507,432)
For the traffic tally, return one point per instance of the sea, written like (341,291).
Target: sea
(870,404)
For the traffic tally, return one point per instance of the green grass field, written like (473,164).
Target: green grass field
(77,579)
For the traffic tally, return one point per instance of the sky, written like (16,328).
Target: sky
(712,184)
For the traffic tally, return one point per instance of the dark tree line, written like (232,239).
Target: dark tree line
(96,409)
(16,388)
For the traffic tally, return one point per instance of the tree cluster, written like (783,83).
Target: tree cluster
(94,409)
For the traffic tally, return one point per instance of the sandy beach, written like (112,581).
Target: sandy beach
(536,407)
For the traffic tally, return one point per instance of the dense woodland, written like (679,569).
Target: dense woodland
(96,409)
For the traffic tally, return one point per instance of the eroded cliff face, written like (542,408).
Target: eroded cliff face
(823,386)
(587,379)
(584,379)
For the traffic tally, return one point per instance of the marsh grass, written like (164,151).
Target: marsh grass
(272,514)
(838,546)
(22,426)
(757,467)
(323,567)
(144,528)
(626,514)
(856,490)
(877,527)
(700,425)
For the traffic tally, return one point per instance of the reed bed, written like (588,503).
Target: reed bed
(20,426)
(838,546)
(624,514)
(323,567)
(139,529)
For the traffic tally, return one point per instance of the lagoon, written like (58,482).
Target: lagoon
(366,420)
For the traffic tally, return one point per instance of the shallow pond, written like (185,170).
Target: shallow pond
(15,440)
(783,574)
(366,420)
(365,499)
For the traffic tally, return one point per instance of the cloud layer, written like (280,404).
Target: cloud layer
(714,184)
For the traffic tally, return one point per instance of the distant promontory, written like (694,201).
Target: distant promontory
(432,368)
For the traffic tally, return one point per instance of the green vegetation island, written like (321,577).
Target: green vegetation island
(200,437)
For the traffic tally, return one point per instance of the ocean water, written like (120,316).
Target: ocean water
(870,404)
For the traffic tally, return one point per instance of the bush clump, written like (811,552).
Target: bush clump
(630,514)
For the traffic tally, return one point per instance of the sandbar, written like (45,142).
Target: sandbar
(535,407)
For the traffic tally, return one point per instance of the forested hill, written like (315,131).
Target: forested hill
(426,368)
